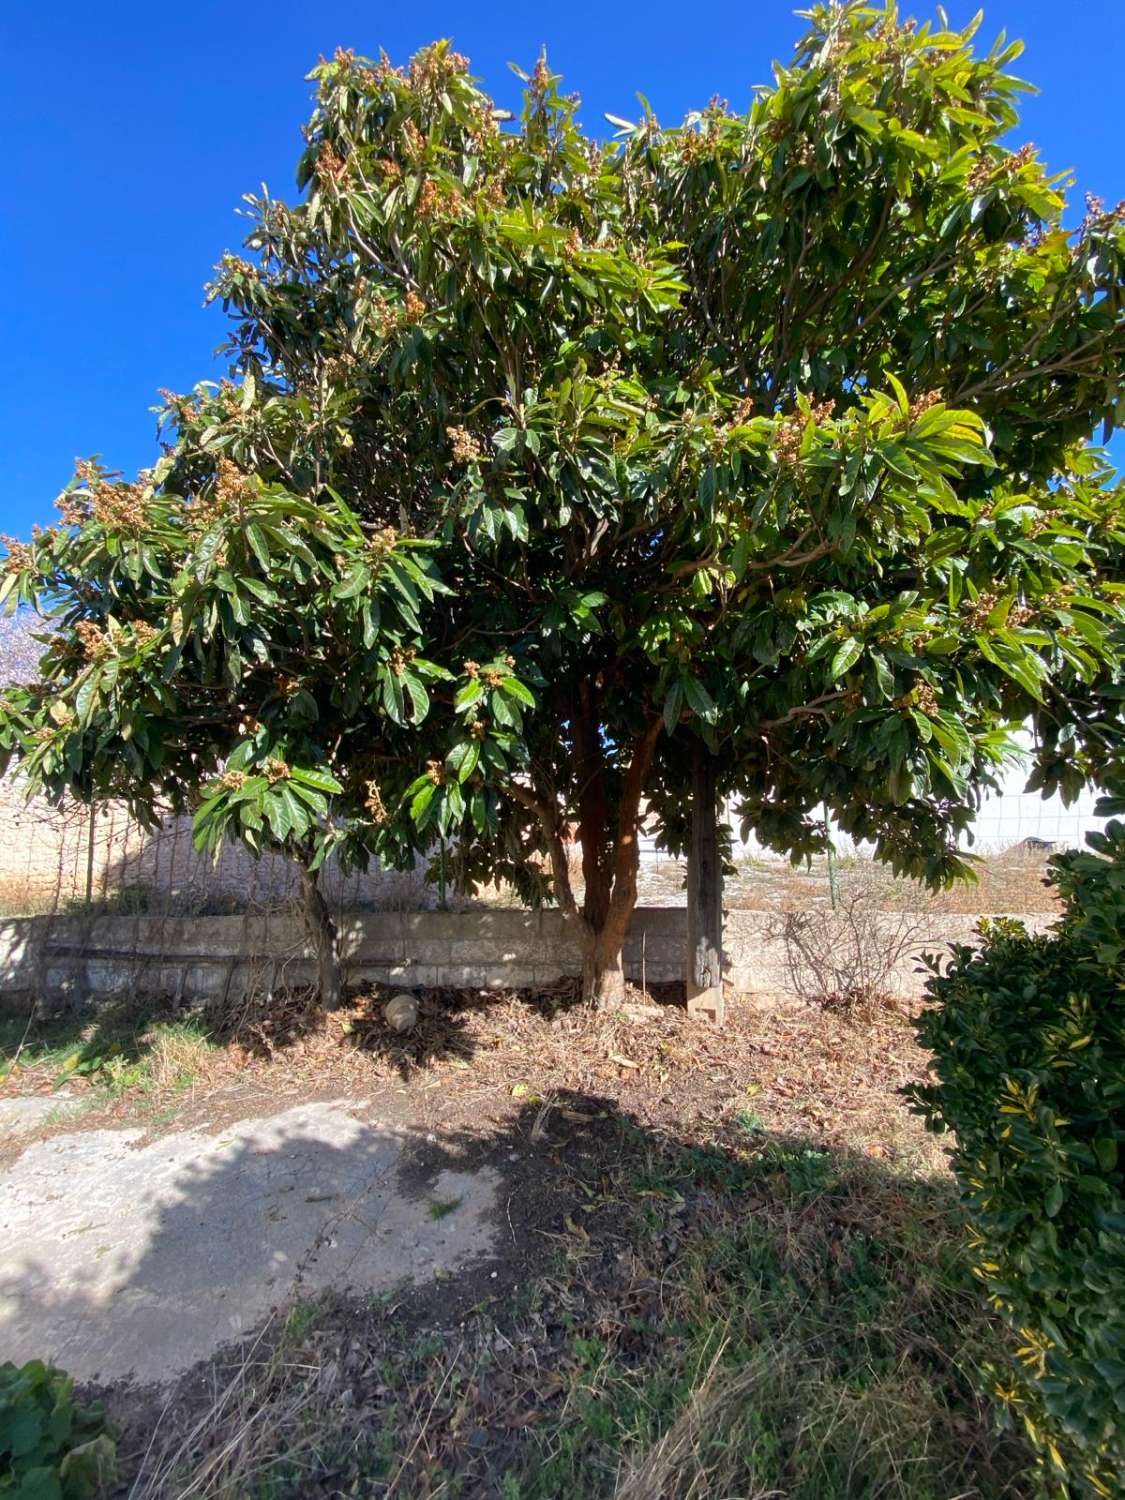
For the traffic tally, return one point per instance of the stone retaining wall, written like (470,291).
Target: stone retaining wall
(71,960)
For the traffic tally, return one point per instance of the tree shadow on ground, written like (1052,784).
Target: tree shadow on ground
(271,1023)
(654,1313)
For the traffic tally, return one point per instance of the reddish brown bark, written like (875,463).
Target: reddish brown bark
(610,884)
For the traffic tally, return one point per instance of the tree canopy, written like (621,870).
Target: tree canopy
(547,458)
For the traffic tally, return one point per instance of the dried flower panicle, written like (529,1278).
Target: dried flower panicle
(436,772)
(382,543)
(1060,598)
(790,431)
(433,67)
(980,609)
(94,641)
(20,556)
(924,403)
(233,781)
(331,169)
(466,449)
(439,200)
(413,308)
(471,669)
(106,499)
(987,169)
(276,770)
(373,802)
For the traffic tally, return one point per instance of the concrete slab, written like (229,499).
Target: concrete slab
(18,1116)
(118,1258)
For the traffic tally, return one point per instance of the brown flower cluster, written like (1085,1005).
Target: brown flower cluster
(287,686)
(466,449)
(478,729)
(434,66)
(276,770)
(439,200)
(110,501)
(93,640)
(233,781)
(493,195)
(1060,598)
(382,543)
(415,141)
(804,154)
(232,486)
(436,772)
(1019,615)
(925,699)
(743,411)
(234,265)
(184,407)
(401,657)
(787,440)
(383,316)
(923,403)
(985,169)
(791,430)
(493,679)
(331,169)
(374,804)
(144,633)
(980,610)
(1044,521)
(471,669)
(20,556)
(540,78)
(413,308)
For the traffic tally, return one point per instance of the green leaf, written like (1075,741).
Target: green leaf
(516,689)
(472,692)
(322,781)
(846,656)
(699,698)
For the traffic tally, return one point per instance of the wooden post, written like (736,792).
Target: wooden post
(704,895)
(90,831)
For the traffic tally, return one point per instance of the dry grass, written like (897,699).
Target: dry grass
(727,1314)
(1009,883)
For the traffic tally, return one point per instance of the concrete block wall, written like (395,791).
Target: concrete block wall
(63,960)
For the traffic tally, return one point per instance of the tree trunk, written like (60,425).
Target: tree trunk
(603,972)
(324,939)
(704,895)
(610,883)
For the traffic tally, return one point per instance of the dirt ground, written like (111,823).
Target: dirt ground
(679,1210)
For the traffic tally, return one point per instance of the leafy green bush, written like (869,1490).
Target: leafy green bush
(1028,1036)
(50,1449)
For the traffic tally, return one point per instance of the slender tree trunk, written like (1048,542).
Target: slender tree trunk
(704,894)
(603,972)
(611,884)
(324,939)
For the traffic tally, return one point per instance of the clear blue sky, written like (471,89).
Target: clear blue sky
(132,131)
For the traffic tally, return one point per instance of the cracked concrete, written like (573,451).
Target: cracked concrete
(118,1258)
